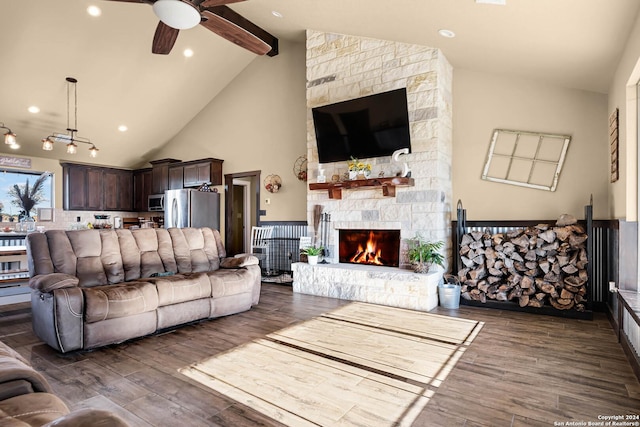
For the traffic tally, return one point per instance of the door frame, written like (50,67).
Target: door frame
(254,176)
(246,214)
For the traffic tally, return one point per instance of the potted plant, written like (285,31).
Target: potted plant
(312,253)
(423,254)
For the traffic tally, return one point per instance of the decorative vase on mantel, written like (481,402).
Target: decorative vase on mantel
(353,175)
(312,259)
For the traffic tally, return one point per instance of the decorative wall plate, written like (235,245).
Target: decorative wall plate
(273,183)
(300,168)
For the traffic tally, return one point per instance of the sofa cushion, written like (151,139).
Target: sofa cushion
(87,248)
(120,300)
(195,249)
(181,287)
(62,255)
(146,252)
(111,257)
(230,282)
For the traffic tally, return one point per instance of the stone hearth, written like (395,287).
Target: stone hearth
(373,284)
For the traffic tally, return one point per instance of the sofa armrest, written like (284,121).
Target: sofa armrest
(18,378)
(50,282)
(239,261)
(89,417)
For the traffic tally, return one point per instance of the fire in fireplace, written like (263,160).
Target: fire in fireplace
(374,247)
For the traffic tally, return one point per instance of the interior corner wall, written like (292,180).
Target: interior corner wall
(258,122)
(483,102)
(624,96)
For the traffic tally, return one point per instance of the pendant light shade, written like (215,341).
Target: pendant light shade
(9,137)
(72,148)
(47,144)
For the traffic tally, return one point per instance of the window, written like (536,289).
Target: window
(527,159)
(15,201)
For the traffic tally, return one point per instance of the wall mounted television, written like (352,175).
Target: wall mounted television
(371,126)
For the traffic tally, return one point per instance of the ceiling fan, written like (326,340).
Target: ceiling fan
(176,15)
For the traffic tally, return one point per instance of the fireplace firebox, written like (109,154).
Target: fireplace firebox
(374,247)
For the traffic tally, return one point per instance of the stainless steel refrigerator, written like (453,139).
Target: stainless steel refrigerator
(191,208)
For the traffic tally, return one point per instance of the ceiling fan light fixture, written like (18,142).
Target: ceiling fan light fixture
(14,146)
(177,14)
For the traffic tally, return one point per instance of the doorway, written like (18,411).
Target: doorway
(242,209)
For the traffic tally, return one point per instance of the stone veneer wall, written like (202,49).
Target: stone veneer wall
(342,67)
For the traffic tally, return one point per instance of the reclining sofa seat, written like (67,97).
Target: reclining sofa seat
(91,288)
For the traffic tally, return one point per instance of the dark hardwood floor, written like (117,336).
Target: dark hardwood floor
(521,370)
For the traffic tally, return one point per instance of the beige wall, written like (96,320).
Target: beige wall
(482,102)
(622,95)
(258,122)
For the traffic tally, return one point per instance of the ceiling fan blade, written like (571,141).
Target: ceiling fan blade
(239,30)
(164,39)
(212,3)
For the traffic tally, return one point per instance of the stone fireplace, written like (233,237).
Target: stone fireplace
(342,67)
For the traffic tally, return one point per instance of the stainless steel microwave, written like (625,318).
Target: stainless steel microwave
(156,202)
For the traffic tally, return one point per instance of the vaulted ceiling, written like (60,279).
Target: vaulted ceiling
(570,43)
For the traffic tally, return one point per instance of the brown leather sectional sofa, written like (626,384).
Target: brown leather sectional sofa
(27,400)
(91,288)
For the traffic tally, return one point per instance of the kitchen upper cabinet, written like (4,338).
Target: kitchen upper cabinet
(96,188)
(118,186)
(74,187)
(176,177)
(141,189)
(160,175)
(202,171)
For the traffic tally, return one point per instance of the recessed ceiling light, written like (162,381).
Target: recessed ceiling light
(122,128)
(188,53)
(276,14)
(94,11)
(33,109)
(447,33)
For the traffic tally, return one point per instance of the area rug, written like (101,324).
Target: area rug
(359,365)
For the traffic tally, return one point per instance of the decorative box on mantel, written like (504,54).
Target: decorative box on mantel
(389,286)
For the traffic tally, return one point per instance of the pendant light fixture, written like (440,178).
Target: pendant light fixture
(70,139)
(10,137)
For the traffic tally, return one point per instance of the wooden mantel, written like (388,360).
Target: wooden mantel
(388,185)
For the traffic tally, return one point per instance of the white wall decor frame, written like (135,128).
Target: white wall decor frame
(526,159)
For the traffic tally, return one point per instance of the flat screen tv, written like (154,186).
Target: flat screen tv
(371,126)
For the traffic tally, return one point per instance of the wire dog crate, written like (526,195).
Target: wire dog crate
(284,245)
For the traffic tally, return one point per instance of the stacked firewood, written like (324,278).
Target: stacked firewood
(533,266)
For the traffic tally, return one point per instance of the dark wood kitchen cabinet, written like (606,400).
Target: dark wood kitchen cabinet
(176,177)
(96,188)
(118,186)
(198,172)
(141,189)
(160,175)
